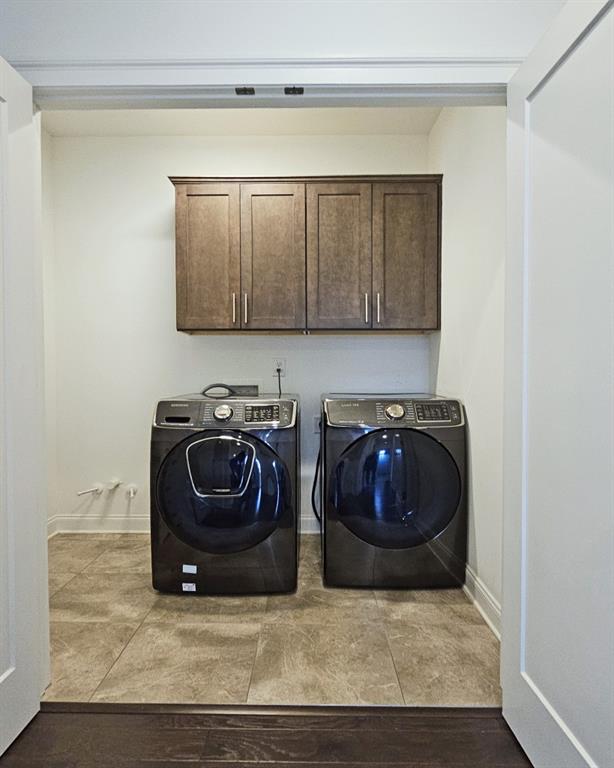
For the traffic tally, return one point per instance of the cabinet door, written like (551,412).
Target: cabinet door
(339,255)
(406,255)
(273,255)
(207,253)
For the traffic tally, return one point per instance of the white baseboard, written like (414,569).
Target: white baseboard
(89,524)
(310,525)
(484,601)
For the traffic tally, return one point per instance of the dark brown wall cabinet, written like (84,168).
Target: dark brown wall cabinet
(405,256)
(338,255)
(207,256)
(273,255)
(300,254)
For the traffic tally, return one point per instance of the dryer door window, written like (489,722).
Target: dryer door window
(223,493)
(395,488)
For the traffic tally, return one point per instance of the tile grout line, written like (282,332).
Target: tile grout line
(80,573)
(121,653)
(394,664)
(251,674)
(72,576)
(89,562)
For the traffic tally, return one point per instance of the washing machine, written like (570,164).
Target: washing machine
(393,491)
(224,495)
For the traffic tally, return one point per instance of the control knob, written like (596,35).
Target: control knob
(395,411)
(223,413)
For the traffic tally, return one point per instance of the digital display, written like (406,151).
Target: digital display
(261,413)
(432,412)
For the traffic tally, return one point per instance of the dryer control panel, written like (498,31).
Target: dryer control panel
(400,410)
(233,413)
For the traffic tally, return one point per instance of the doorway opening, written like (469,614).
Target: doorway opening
(112,351)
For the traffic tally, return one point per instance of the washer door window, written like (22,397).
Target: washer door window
(395,488)
(222,493)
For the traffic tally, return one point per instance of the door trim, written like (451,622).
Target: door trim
(547,724)
(332,81)
(24,667)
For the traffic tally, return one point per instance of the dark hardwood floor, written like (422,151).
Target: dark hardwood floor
(123,736)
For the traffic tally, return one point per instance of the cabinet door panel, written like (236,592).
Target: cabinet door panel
(273,255)
(339,255)
(406,255)
(207,253)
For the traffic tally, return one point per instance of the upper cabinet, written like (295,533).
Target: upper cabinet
(273,256)
(308,254)
(338,255)
(405,256)
(207,256)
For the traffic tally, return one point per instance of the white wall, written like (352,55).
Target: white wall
(49,299)
(111,306)
(85,30)
(468,146)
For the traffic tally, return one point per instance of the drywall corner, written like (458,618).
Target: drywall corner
(468,146)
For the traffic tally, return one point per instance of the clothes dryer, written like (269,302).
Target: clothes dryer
(393,491)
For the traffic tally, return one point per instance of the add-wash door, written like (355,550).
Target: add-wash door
(558,596)
(24,643)
(223,492)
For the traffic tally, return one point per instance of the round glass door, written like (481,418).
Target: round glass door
(222,493)
(395,488)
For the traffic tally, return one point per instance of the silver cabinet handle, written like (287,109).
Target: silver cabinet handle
(366,307)
(378,320)
(245,308)
(234,308)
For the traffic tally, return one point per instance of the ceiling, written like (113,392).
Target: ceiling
(264,122)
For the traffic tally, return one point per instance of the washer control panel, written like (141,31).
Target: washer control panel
(231,413)
(403,411)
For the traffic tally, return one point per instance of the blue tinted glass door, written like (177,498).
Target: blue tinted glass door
(222,493)
(395,488)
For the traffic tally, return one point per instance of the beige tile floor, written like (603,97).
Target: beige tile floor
(116,640)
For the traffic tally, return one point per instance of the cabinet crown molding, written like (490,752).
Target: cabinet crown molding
(435,178)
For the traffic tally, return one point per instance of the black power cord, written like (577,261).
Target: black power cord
(278,369)
(314,488)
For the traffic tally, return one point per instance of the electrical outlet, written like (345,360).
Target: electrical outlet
(279,362)
(316,424)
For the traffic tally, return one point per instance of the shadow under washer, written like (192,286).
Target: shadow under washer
(393,492)
(224,495)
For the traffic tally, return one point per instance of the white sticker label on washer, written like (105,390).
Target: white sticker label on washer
(189,568)
(188,586)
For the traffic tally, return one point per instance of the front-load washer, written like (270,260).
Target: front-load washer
(393,491)
(224,495)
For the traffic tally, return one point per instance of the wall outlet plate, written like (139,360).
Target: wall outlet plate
(279,362)
(316,424)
